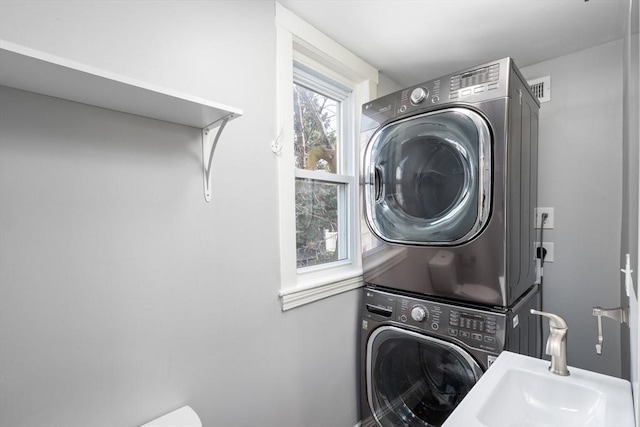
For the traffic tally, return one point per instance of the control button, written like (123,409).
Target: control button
(435,326)
(435,99)
(418,95)
(453,332)
(476,337)
(466,92)
(478,89)
(403,318)
(490,340)
(454,95)
(491,86)
(403,108)
(465,334)
(419,313)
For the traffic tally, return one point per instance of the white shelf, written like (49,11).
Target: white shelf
(39,72)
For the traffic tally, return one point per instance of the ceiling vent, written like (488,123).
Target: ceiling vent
(541,88)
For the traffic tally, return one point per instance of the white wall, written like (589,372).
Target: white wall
(123,295)
(580,161)
(386,85)
(630,221)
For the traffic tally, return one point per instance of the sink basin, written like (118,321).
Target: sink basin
(520,391)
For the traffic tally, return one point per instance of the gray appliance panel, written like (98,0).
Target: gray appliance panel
(480,332)
(497,265)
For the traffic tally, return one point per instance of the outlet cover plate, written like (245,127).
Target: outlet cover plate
(548,246)
(548,224)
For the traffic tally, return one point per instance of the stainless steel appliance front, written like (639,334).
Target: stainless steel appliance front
(450,185)
(420,357)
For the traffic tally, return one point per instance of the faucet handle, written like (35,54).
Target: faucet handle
(555,321)
(556,343)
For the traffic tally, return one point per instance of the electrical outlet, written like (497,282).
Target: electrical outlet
(549,248)
(548,222)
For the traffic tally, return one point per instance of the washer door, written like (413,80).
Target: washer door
(416,380)
(428,178)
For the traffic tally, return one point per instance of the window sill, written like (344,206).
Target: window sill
(310,292)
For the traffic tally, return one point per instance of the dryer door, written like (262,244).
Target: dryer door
(428,178)
(416,380)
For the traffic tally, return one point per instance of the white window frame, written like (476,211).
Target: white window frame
(299,42)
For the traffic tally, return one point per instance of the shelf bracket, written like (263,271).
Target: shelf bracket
(210,139)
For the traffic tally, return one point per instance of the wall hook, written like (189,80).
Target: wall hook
(618,314)
(276,145)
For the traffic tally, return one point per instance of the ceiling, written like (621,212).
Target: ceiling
(411,41)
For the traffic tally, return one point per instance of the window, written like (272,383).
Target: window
(321,87)
(324,172)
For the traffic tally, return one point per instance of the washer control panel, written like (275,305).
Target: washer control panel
(475,327)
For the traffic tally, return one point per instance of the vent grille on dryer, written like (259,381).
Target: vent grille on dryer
(541,88)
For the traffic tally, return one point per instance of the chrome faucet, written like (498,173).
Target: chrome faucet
(619,314)
(556,343)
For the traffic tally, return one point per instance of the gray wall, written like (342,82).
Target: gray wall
(580,161)
(123,295)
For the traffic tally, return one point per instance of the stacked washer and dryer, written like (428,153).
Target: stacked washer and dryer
(449,191)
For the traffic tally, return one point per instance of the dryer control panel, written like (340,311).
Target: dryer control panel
(475,327)
(481,83)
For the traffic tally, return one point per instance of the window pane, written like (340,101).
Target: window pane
(315,121)
(319,235)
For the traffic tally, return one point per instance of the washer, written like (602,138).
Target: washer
(450,185)
(420,357)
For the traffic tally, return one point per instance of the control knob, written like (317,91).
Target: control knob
(419,313)
(418,95)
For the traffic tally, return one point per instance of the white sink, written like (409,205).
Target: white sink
(519,391)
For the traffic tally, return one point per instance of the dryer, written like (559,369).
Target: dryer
(420,357)
(449,186)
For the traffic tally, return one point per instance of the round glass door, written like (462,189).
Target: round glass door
(415,380)
(428,178)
